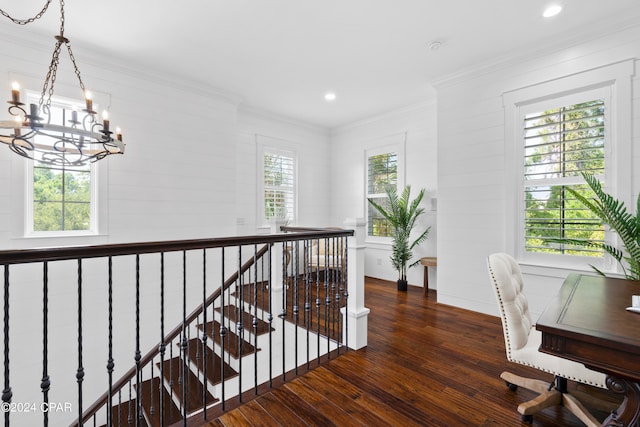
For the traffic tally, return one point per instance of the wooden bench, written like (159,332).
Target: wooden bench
(428,261)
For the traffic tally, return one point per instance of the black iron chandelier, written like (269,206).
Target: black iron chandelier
(77,138)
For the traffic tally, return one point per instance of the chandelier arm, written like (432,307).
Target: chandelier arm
(29,20)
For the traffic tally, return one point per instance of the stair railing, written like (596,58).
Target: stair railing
(276,270)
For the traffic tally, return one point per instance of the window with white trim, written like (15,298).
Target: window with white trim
(61,199)
(382,174)
(562,140)
(278,184)
(554,131)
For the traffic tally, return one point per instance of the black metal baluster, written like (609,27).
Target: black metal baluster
(345,285)
(283,311)
(131,414)
(334,285)
(80,372)
(239,325)
(163,346)
(152,407)
(45,383)
(270,319)
(204,334)
(318,299)
(223,331)
(307,300)
(138,356)
(327,293)
(184,345)
(296,301)
(6,392)
(110,363)
(255,319)
(119,409)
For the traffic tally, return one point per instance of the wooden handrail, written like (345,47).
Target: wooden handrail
(174,333)
(23,256)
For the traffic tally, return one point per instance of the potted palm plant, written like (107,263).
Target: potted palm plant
(402,214)
(614,214)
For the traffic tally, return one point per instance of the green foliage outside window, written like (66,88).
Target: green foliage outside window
(382,177)
(279,176)
(61,199)
(561,144)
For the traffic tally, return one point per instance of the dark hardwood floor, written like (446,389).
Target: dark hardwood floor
(425,365)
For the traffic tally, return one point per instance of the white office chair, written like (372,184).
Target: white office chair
(522,341)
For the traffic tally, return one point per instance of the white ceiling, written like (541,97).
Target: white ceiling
(283,55)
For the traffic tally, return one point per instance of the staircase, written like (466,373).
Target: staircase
(265,309)
(241,349)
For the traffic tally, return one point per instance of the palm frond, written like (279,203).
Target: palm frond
(614,214)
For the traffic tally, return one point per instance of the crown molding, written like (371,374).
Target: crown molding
(38,42)
(431,102)
(269,115)
(523,54)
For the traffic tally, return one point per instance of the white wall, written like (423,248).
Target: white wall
(311,145)
(348,186)
(189,171)
(471,166)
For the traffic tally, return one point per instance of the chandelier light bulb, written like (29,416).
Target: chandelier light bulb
(15,93)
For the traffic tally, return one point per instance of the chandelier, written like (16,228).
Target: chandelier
(39,133)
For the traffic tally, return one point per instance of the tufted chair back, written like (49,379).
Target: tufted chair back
(507,283)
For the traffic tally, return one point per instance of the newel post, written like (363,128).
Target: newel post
(356,313)
(278,270)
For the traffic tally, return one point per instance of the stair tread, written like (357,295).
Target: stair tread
(212,329)
(173,372)
(213,362)
(171,412)
(232,312)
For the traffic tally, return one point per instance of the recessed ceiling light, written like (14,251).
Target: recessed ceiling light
(330,96)
(552,10)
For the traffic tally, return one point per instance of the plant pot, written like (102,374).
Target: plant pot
(402,285)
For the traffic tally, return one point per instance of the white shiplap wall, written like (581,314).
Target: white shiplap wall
(417,126)
(188,172)
(471,165)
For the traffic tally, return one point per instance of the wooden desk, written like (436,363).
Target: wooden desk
(428,261)
(587,323)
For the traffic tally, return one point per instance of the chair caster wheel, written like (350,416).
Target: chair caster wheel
(512,387)
(527,419)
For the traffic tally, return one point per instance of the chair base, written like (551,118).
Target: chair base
(555,394)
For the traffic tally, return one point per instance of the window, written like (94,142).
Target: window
(61,198)
(279,179)
(559,144)
(554,131)
(382,174)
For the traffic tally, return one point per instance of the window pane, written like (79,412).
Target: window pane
(76,216)
(47,216)
(279,186)
(383,172)
(47,184)
(77,186)
(377,223)
(559,144)
(552,212)
(61,194)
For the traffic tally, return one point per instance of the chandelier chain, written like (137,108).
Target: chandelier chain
(29,20)
(49,82)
